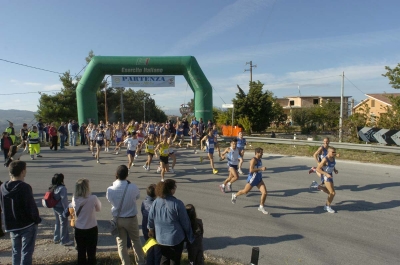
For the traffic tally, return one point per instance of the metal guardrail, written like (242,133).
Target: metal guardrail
(350,146)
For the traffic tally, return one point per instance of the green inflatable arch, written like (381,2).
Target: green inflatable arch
(100,66)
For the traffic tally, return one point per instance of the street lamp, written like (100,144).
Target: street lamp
(144,108)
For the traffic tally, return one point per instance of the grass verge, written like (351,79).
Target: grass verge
(345,154)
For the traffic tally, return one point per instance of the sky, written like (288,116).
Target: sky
(299,47)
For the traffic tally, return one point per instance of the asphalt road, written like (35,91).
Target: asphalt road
(298,231)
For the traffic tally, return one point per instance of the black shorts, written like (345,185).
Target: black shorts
(164,159)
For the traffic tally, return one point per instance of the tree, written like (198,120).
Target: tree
(257,106)
(61,106)
(391,119)
(393,75)
(358,119)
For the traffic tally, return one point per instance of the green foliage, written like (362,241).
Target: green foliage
(359,119)
(391,119)
(393,75)
(61,106)
(316,118)
(246,124)
(258,106)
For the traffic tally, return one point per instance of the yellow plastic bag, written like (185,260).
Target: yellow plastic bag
(149,243)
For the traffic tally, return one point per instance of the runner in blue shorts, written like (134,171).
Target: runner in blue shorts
(233,161)
(255,180)
(326,168)
(211,144)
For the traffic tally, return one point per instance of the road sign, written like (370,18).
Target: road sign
(377,135)
(227,106)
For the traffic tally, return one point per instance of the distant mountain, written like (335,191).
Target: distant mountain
(18,117)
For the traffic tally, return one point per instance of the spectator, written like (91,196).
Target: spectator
(154,253)
(75,131)
(195,249)
(20,213)
(5,145)
(40,127)
(47,131)
(86,231)
(82,132)
(63,133)
(169,223)
(11,132)
(61,233)
(53,137)
(185,127)
(273,134)
(127,221)
(24,134)
(69,127)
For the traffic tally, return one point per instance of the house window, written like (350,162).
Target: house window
(315,101)
(372,103)
(291,102)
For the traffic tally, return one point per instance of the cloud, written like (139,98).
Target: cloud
(52,87)
(17,100)
(13,81)
(275,49)
(226,19)
(32,84)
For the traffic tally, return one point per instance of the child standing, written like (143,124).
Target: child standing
(154,253)
(195,249)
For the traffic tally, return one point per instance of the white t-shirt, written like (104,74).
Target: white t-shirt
(132,143)
(87,216)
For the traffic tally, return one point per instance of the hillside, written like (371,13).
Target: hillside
(18,117)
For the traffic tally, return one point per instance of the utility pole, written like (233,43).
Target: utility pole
(122,105)
(251,70)
(341,111)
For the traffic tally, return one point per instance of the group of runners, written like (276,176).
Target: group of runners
(161,139)
(157,140)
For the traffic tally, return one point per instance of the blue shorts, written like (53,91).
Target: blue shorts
(240,149)
(179,133)
(193,137)
(210,150)
(101,142)
(254,180)
(118,140)
(326,179)
(233,166)
(129,152)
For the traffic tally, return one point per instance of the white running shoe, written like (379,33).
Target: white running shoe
(147,169)
(144,166)
(329,209)
(262,209)
(158,170)
(116,153)
(162,180)
(240,171)
(195,151)
(98,161)
(233,200)
(135,156)
(228,187)
(171,170)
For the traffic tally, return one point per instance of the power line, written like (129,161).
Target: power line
(21,93)
(31,66)
(354,85)
(218,95)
